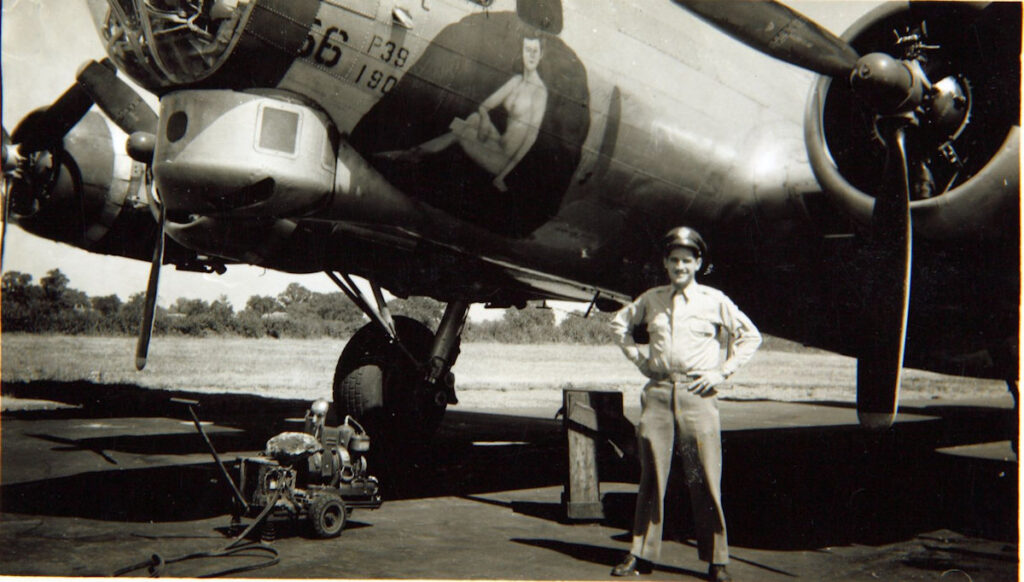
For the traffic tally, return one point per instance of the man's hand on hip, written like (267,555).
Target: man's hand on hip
(706,382)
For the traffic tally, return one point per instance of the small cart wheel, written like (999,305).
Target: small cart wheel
(327,513)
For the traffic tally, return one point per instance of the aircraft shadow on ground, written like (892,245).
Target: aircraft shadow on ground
(787,489)
(160,494)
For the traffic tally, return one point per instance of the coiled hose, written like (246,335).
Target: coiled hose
(238,546)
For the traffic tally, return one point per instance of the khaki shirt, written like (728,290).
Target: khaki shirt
(684,328)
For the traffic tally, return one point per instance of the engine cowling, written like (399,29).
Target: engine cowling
(965,142)
(87,192)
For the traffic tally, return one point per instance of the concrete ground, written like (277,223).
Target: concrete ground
(115,474)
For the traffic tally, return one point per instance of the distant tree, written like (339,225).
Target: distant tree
(60,308)
(591,330)
(74,315)
(532,324)
(221,314)
(105,314)
(201,318)
(130,314)
(23,302)
(108,305)
(263,304)
(344,317)
(14,281)
(186,306)
(316,314)
(53,305)
(18,288)
(518,326)
(250,324)
(78,300)
(423,309)
(294,294)
(330,306)
(55,285)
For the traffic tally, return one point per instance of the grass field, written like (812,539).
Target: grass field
(487,375)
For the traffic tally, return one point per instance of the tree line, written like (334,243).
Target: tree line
(53,306)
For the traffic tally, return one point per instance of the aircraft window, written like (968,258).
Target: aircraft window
(162,43)
(279,130)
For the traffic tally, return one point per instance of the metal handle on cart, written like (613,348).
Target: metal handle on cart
(213,451)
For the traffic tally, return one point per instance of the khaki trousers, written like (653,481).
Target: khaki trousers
(672,416)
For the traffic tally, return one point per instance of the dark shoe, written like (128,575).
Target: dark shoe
(632,566)
(718,573)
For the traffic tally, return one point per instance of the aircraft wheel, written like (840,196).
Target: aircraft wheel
(379,385)
(327,514)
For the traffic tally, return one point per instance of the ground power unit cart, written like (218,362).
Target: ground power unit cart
(318,475)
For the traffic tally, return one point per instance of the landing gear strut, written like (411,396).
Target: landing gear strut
(394,374)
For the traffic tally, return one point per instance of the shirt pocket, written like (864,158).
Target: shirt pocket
(659,326)
(701,328)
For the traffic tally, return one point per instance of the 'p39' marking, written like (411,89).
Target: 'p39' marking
(388,51)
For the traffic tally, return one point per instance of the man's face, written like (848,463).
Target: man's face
(681,264)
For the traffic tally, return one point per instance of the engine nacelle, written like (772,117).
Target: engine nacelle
(965,174)
(247,154)
(87,193)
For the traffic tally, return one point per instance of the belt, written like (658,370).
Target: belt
(674,377)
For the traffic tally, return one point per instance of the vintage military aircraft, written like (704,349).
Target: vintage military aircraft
(500,151)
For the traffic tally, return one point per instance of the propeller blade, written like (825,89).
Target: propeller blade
(880,360)
(46,127)
(778,31)
(7,152)
(117,99)
(146,327)
(6,201)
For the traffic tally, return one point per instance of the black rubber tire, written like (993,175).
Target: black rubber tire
(377,383)
(361,391)
(327,515)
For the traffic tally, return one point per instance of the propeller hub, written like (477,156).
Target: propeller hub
(889,84)
(140,147)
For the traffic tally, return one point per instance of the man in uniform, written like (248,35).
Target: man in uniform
(680,406)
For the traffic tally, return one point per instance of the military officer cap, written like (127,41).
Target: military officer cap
(685,237)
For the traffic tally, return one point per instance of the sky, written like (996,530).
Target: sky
(44,42)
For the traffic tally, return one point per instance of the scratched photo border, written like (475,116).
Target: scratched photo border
(58,531)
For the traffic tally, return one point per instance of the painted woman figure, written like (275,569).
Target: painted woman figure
(524,97)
